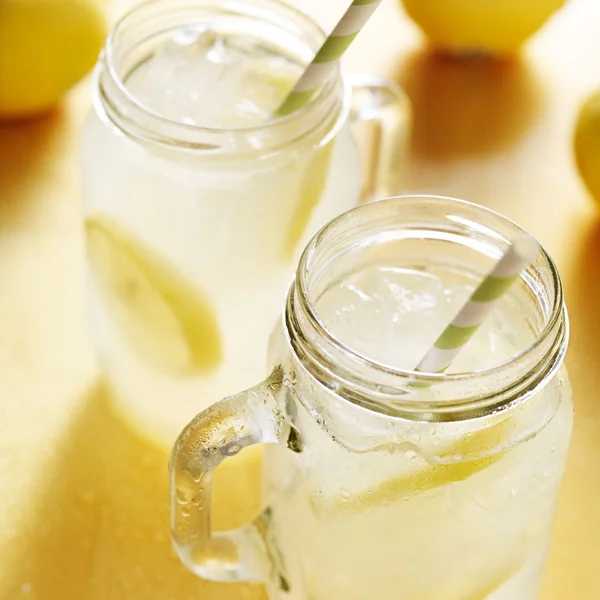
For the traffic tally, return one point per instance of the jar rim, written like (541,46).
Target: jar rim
(550,343)
(120,104)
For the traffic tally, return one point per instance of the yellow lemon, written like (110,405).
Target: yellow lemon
(496,26)
(587,144)
(164,318)
(46,46)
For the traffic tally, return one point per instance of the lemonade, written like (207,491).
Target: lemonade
(380,481)
(192,245)
(438,511)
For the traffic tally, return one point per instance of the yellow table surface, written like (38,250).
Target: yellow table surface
(496,134)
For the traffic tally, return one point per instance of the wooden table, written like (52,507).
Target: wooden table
(496,134)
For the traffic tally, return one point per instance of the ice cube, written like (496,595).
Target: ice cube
(202,77)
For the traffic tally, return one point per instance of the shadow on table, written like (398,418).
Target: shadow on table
(468,106)
(99,528)
(26,148)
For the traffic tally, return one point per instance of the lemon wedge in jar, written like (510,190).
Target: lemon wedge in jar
(168,321)
(457,461)
(313,185)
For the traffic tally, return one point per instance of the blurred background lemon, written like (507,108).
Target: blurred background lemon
(46,46)
(587,143)
(494,26)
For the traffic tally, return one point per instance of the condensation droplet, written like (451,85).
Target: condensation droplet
(231,450)
(193,476)
(198,498)
(181,497)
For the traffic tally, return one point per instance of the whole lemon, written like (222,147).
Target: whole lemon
(495,26)
(587,143)
(46,46)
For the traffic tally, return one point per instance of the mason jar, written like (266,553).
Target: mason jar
(381,481)
(194,217)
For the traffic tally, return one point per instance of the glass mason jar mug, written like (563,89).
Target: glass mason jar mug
(379,481)
(198,203)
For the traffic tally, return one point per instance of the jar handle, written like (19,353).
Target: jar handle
(384,108)
(223,430)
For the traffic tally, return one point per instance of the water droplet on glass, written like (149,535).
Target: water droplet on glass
(196,477)
(198,498)
(231,449)
(181,497)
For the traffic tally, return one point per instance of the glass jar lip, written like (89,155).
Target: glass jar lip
(556,312)
(325,92)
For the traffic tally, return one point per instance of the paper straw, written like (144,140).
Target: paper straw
(326,58)
(480,304)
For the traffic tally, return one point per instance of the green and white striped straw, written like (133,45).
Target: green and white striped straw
(326,58)
(480,304)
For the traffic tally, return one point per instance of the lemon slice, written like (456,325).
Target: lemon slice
(313,185)
(469,454)
(167,320)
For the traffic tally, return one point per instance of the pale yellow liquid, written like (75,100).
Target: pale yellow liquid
(438,511)
(231,239)
(233,235)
